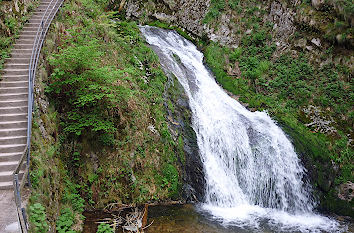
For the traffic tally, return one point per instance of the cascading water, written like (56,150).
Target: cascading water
(252,171)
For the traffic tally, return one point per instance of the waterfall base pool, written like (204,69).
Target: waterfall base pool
(191,219)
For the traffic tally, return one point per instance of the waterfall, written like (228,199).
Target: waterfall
(251,169)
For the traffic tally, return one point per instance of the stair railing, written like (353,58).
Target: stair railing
(18,181)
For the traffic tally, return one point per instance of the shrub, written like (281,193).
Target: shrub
(38,218)
(83,89)
(65,221)
(104,228)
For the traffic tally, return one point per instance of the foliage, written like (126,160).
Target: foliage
(72,197)
(10,29)
(84,90)
(284,85)
(38,218)
(216,8)
(171,179)
(65,221)
(104,228)
(107,87)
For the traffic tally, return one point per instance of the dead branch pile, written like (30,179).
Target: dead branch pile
(128,219)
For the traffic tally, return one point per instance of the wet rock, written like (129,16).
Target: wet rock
(164,17)
(301,43)
(346,191)
(180,126)
(318,121)
(234,70)
(282,18)
(94,161)
(317,4)
(309,48)
(340,39)
(316,41)
(42,129)
(170,3)
(187,14)
(152,129)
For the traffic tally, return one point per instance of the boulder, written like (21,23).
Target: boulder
(316,41)
(346,191)
(317,4)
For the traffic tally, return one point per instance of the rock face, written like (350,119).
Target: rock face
(318,4)
(180,125)
(346,191)
(295,27)
(187,14)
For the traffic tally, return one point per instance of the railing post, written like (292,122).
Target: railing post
(17,191)
(47,17)
(28,167)
(24,216)
(17,200)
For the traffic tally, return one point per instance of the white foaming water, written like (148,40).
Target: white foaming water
(252,172)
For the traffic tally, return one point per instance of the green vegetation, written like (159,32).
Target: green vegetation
(286,84)
(168,26)
(217,7)
(83,89)
(104,228)
(107,139)
(38,218)
(12,23)
(65,221)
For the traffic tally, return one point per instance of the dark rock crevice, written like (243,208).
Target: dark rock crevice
(180,125)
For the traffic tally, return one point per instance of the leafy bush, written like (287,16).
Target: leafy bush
(216,7)
(284,86)
(72,197)
(38,218)
(104,228)
(171,179)
(65,221)
(83,90)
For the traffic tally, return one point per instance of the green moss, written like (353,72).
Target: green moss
(284,85)
(164,25)
(108,89)
(331,203)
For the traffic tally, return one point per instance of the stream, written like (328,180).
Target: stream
(253,176)
(255,181)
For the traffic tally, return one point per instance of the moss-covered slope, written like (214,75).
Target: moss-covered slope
(291,58)
(101,135)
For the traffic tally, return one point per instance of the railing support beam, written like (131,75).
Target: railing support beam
(46,20)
